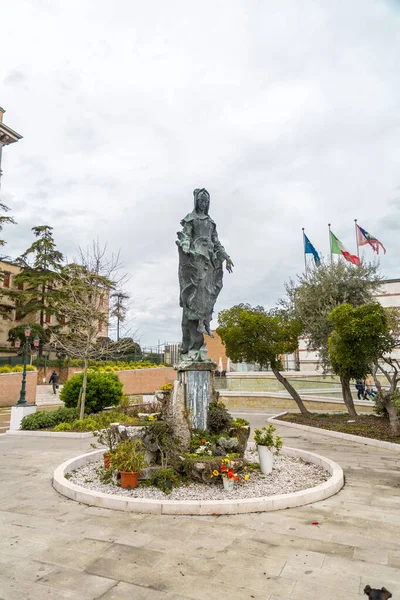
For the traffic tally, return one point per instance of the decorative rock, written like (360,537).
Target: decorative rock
(289,475)
(179,420)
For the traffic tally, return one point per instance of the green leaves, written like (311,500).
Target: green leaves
(361,336)
(318,292)
(256,335)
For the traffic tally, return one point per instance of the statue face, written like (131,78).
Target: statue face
(203,201)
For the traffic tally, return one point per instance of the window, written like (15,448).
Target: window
(63,320)
(20,286)
(48,318)
(101,300)
(18,315)
(6,280)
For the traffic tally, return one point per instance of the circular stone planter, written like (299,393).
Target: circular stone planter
(200,507)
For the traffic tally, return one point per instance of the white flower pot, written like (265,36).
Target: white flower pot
(228,484)
(266,459)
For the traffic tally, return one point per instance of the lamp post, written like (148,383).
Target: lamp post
(26,350)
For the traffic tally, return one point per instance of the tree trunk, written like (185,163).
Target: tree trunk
(392,412)
(288,386)
(347,397)
(84,383)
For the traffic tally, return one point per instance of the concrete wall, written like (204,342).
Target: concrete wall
(274,404)
(146,381)
(135,381)
(10,387)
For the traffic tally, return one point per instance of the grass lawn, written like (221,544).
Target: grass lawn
(370,426)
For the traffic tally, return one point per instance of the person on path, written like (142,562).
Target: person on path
(360,387)
(54,380)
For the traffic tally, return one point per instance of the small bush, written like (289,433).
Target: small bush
(167,387)
(63,427)
(18,368)
(219,419)
(165,480)
(102,390)
(379,407)
(37,420)
(6,369)
(45,419)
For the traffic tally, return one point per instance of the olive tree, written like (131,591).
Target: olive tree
(317,292)
(361,343)
(260,336)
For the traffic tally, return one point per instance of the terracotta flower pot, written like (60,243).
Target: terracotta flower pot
(106,461)
(129,480)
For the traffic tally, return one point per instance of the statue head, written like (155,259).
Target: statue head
(201,200)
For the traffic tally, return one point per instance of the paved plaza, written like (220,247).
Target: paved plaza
(55,549)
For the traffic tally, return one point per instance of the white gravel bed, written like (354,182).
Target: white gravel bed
(289,475)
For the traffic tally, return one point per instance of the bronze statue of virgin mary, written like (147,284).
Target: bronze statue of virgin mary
(201,258)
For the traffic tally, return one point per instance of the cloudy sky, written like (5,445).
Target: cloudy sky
(287,112)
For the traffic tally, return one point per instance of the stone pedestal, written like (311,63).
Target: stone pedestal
(197,380)
(18,413)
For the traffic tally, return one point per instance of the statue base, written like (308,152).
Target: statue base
(197,380)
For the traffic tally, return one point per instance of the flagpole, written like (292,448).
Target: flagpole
(304,248)
(358,249)
(330,241)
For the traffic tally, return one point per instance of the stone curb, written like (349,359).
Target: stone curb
(205,507)
(65,434)
(336,434)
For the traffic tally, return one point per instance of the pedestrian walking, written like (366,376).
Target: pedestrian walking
(360,387)
(54,379)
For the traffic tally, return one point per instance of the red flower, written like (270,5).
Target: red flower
(231,474)
(223,467)
(236,477)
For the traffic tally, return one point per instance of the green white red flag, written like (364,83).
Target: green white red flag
(338,248)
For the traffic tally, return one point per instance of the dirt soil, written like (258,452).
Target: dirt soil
(370,426)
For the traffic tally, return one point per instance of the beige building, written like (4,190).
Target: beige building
(10,318)
(389,297)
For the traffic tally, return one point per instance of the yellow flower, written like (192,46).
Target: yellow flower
(211,476)
(244,468)
(246,477)
(215,473)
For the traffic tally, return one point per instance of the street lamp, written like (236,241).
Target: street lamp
(26,348)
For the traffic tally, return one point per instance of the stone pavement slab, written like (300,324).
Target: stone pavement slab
(54,548)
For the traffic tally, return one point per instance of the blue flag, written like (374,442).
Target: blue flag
(309,249)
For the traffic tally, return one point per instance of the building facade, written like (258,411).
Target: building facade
(7,136)
(10,318)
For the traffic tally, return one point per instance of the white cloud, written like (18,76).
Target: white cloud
(287,112)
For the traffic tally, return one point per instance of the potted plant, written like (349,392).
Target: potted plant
(227,473)
(107,437)
(266,443)
(129,458)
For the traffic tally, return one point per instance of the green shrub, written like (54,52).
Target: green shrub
(218,418)
(97,421)
(165,480)
(37,420)
(6,369)
(102,390)
(167,387)
(380,409)
(43,419)
(18,368)
(63,427)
